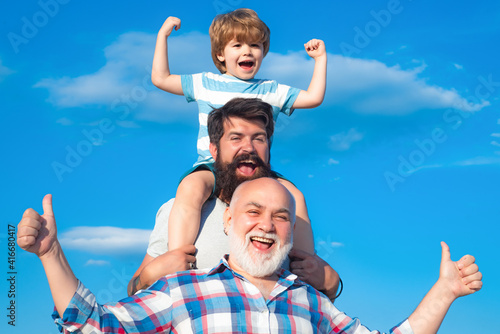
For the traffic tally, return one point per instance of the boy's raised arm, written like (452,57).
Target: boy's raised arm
(315,93)
(456,279)
(38,234)
(160,74)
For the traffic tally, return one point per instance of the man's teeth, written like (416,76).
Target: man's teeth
(264,240)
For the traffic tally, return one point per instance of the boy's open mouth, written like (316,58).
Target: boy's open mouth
(262,243)
(246,65)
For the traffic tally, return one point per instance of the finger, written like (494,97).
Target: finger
(30,213)
(29,229)
(445,252)
(47,205)
(35,223)
(296,264)
(297,254)
(26,241)
(298,272)
(190,258)
(475,286)
(469,270)
(465,261)
(188,249)
(478,276)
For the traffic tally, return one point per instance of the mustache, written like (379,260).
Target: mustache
(247,157)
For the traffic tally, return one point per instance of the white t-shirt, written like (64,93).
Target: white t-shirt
(211,242)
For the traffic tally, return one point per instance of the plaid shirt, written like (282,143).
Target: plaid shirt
(214,300)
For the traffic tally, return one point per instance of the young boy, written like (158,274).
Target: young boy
(240,41)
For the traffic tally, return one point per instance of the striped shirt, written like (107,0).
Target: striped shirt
(211,91)
(214,300)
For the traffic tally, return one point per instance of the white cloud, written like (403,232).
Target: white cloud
(99,263)
(458,66)
(330,243)
(106,239)
(124,81)
(344,140)
(479,161)
(367,86)
(4,71)
(332,161)
(64,121)
(419,168)
(476,161)
(359,85)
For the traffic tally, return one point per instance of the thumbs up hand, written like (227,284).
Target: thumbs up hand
(38,233)
(463,276)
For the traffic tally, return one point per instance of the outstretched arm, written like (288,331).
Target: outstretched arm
(38,234)
(160,75)
(315,93)
(456,279)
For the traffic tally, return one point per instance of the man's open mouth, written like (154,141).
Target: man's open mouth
(262,243)
(247,167)
(246,65)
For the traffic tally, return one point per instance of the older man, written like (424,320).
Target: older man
(246,292)
(240,133)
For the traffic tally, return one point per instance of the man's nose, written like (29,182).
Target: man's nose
(267,224)
(247,145)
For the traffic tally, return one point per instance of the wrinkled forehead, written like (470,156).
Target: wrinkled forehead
(266,193)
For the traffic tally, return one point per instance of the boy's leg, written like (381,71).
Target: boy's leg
(302,236)
(185,216)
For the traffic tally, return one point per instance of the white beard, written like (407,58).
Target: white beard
(258,265)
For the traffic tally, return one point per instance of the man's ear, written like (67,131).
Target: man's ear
(226,218)
(213,150)
(221,58)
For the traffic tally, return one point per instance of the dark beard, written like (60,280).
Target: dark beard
(226,179)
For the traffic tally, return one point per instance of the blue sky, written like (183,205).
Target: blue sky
(403,153)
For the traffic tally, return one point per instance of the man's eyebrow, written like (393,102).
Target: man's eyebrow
(258,205)
(262,133)
(283,210)
(234,132)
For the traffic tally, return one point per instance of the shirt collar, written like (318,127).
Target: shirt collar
(284,275)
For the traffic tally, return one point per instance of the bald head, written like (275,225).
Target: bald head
(267,190)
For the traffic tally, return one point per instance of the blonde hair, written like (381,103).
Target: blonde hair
(244,25)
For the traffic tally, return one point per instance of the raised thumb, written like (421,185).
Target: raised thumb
(445,252)
(47,205)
